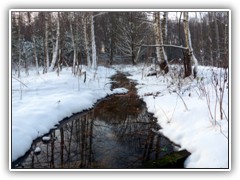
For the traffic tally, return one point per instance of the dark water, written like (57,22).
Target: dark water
(117,133)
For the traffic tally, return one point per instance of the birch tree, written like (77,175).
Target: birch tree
(161,55)
(46,43)
(19,43)
(71,19)
(202,50)
(94,53)
(164,27)
(189,56)
(55,47)
(86,44)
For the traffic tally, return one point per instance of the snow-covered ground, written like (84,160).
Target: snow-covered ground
(39,102)
(188,112)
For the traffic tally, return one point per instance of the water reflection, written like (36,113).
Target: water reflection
(116,134)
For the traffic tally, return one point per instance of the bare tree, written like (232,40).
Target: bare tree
(112,38)
(189,56)
(55,48)
(34,41)
(118,34)
(131,34)
(19,43)
(164,27)
(201,42)
(71,19)
(217,36)
(161,55)
(209,20)
(46,43)
(94,53)
(85,22)
(106,35)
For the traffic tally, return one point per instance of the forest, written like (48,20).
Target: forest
(55,39)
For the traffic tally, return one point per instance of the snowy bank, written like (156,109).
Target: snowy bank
(39,102)
(188,112)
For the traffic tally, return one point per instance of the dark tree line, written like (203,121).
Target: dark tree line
(51,40)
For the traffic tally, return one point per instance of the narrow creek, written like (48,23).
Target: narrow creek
(117,133)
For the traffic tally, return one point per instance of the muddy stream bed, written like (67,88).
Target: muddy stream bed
(117,133)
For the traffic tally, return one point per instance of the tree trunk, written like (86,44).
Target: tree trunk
(94,56)
(161,55)
(217,37)
(84,21)
(34,42)
(55,52)
(58,61)
(202,50)
(76,44)
(164,27)
(188,54)
(226,59)
(189,57)
(46,44)
(209,20)
(35,53)
(112,40)
(19,44)
(74,49)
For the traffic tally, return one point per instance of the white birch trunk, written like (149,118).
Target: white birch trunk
(189,42)
(194,59)
(74,48)
(161,55)
(84,21)
(164,27)
(46,43)
(19,44)
(157,35)
(94,56)
(55,50)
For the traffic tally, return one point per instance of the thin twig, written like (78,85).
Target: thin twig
(182,100)
(20,81)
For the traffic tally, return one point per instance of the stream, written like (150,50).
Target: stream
(118,133)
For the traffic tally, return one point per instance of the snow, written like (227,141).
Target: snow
(37,150)
(46,138)
(39,102)
(181,107)
(186,109)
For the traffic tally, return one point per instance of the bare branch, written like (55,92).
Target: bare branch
(20,81)
(165,45)
(182,100)
(145,20)
(99,14)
